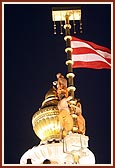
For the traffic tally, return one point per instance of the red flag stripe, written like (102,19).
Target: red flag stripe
(89,58)
(93,65)
(84,50)
(91,44)
(88,54)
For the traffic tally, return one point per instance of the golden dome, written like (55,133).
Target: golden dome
(51,93)
(45,121)
(51,98)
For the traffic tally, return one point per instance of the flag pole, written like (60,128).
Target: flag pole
(70,75)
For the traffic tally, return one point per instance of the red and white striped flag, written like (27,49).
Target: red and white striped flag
(87,54)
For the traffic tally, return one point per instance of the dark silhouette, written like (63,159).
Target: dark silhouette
(29,161)
(46,161)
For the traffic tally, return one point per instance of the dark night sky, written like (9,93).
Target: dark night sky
(32,57)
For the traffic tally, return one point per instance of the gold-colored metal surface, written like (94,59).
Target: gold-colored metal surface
(60,15)
(45,122)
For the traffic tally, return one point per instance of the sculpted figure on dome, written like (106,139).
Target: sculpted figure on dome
(61,83)
(80,121)
(65,118)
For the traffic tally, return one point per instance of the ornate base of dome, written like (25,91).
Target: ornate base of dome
(73,150)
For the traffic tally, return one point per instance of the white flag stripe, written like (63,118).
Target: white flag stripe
(88,58)
(77,44)
(104,54)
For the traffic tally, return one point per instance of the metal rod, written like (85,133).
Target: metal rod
(67,27)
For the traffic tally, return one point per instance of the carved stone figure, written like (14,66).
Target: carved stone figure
(80,121)
(65,118)
(62,90)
